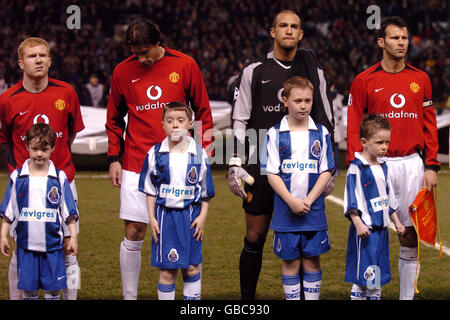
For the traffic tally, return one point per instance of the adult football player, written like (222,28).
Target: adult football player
(402,94)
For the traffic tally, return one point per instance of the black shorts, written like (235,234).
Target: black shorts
(259,195)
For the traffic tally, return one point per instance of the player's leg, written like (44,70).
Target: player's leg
(130,258)
(14,293)
(166,284)
(250,261)
(313,244)
(291,279)
(258,209)
(408,263)
(28,280)
(71,261)
(286,247)
(192,278)
(407,178)
(133,209)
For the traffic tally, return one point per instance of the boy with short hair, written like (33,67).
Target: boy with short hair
(298,160)
(369,200)
(177,180)
(38,199)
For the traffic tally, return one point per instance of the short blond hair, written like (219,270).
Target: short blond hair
(31,42)
(178,105)
(296,82)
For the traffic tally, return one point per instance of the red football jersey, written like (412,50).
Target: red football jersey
(57,105)
(404,98)
(142,93)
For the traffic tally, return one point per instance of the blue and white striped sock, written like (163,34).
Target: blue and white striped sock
(166,291)
(192,287)
(312,282)
(291,286)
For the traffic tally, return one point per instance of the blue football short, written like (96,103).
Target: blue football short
(293,245)
(368,258)
(176,247)
(41,270)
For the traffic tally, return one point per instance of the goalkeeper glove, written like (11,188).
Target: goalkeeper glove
(235,174)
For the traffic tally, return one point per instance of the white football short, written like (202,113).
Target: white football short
(406,174)
(133,203)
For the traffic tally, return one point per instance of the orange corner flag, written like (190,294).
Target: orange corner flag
(423,213)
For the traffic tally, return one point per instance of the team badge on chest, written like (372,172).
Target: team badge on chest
(192,175)
(53,195)
(316,148)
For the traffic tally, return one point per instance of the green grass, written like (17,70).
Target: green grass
(101,231)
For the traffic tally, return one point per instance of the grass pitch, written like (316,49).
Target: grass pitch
(101,232)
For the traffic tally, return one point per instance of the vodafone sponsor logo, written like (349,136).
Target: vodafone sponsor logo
(153,92)
(398,101)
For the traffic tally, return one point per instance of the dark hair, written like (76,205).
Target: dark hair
(275,19)
(394,20)
(142,32)
(44,133)
(371,123)
(178,105)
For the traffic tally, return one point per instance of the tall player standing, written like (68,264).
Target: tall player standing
(258,105)
(39,98)
(141,86)
(401,93)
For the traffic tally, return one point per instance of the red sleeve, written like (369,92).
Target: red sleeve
(3,125)
(115,113)
(430,131)
(200,104)
(76,120)
(357,104)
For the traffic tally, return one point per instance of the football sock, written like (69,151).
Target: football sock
(52,295)
(192,287)
(14,293)
(30,295)
(249,267)
(311,284)
(373,294)
(73,278)
(358,293)
(130,267)
(407,265)
(291,286)
(166,291)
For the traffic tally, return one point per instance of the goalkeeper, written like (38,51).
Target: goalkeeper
(258,106)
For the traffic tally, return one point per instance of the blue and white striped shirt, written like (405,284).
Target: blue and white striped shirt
(368,189)
(298,157)
(176,179)
(38,205)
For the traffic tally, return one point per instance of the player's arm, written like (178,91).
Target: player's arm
(151,200)
(241,115)
(198,97)
(319,187)
(357,105)
(115,128)
(199,222)
(430,132)
(297,206)
(72,247)
(4,244)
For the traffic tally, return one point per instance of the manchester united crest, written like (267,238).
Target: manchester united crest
(414,86)
(60,104)
(174,77)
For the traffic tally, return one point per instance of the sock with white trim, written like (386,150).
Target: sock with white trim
(407,265)
(291,286)
(130,267)
(373,294)
(192,287)
(358,293)
(30,295)
(52,295)
(73,278)
(14,293)
(166,291)
(312,282)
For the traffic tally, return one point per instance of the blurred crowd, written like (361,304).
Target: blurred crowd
(218,34)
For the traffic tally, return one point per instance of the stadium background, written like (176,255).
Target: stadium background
(219,35)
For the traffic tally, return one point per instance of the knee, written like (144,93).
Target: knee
(253,246)
(135,231)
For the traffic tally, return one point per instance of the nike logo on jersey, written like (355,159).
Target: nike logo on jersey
(23,112)
(59,278)
(266,81)
(134,80)
(376,90)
